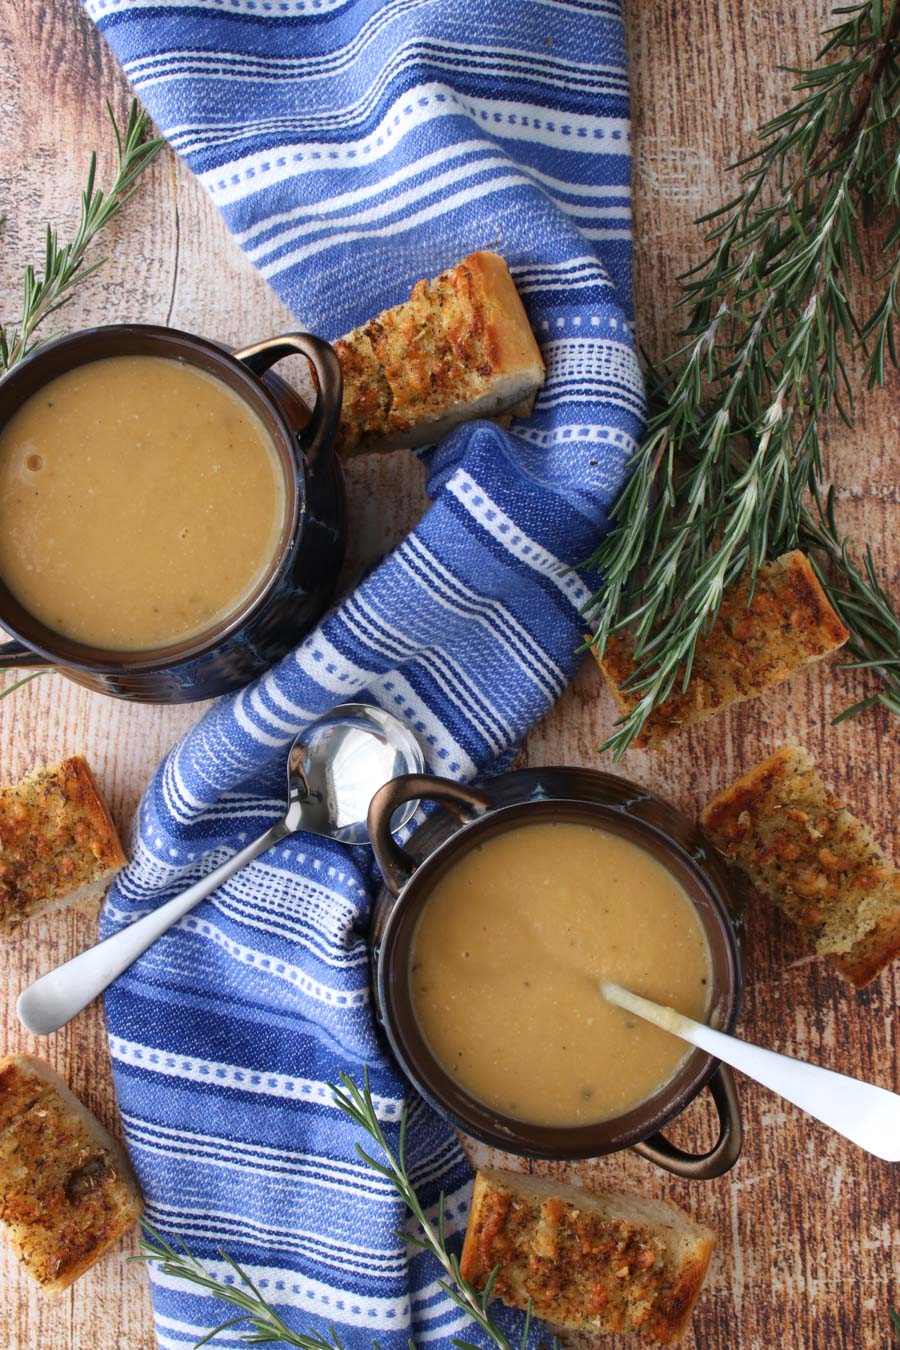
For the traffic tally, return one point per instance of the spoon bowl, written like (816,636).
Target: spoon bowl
(334,763)
(335,766)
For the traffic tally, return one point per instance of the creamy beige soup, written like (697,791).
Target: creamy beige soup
(140,501)
(507,956)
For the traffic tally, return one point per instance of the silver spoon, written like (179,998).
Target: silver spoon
(863,1113)
(335,767)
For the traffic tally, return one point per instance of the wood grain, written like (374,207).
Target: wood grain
(809,1245)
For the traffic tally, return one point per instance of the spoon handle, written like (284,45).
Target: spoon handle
(56,997)
(867,1115)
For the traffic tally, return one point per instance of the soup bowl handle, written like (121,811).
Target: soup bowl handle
(723,1154)
(397,866)
(318,436)
(16,656)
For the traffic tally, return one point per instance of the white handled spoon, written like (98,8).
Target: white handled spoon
(335,767)
(867,1115)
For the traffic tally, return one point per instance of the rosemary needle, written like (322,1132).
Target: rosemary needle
(26,679)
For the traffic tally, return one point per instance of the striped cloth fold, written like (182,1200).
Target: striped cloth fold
(353,147)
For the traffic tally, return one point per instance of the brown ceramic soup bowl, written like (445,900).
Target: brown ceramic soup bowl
(300,579)
(472,815)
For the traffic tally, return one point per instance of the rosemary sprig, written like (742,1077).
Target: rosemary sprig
(266,1325)
(720,479)
(64,265)
(895,1323)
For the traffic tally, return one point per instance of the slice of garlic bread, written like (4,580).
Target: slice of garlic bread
(461,347)
(803,850)
(67,1191)
(586,1261)
(58,844)
(756,643)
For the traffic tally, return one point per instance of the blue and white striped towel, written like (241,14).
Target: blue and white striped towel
(355,146)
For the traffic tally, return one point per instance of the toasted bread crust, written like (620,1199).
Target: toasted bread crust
(787,624)
(67,1192)
(867,958)
(586,1262)
(801,848)
(460,347)
(58,843)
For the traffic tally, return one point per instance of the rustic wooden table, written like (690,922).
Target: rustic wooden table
(808,1233)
